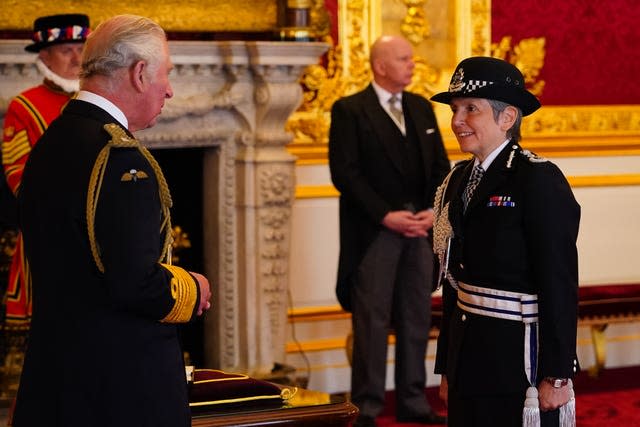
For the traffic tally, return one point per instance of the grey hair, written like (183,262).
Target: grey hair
(121,42)
(498,107)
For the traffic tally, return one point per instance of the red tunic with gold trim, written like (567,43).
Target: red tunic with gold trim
(28,115)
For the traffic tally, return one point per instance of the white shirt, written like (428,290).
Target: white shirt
(491,157)
(105,104)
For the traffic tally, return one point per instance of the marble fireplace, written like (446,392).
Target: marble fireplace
(232,100)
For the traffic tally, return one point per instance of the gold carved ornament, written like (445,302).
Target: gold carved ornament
(415,26)
(179,242)
(323,84)
(480,26)
(527,55)
(584,130)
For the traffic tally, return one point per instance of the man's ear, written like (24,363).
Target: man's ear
(379,66)
(139,75)
(508,117)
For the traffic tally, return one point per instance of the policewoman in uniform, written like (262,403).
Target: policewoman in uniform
(505,235)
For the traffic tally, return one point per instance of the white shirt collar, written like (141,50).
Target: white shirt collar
(384,95)
(105,104)
(491,157)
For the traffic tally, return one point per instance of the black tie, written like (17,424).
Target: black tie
(474,180)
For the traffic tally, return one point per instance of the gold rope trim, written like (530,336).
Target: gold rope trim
(286,393)
(184,291)
(237,377)
(236,400)
(119,138)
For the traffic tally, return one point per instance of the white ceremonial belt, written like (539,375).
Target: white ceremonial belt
(496,303)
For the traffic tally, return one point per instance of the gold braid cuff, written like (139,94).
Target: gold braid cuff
(120,139)
(184,291)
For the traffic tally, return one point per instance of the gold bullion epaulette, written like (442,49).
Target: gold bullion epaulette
(533,157)
(528,155)
(120,139)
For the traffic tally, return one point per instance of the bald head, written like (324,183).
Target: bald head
(391,59)
(383,46)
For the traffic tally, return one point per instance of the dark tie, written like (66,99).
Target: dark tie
(474,180)
(397,112)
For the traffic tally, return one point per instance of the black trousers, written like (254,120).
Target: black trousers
(492,411)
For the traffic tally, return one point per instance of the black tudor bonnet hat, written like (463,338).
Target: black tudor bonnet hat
(489,78)
(55,29)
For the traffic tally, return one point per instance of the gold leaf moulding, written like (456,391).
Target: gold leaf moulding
(172,15)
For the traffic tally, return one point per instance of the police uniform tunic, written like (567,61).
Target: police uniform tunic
(518,234)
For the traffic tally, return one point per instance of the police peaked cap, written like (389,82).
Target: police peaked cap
(489,78)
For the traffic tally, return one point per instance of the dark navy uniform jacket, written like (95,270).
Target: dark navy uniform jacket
(518,234)
(98,352)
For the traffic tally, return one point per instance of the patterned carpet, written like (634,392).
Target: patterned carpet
(609,409)
(610,400)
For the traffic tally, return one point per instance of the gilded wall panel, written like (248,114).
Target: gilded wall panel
(173,15)
(443,32)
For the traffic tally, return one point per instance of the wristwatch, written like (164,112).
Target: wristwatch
(557,382)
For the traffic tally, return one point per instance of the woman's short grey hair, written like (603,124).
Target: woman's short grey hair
(121,42)
(498,107)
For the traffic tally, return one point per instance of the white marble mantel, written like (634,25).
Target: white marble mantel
(233,99)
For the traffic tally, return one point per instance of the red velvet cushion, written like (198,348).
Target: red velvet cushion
(213,387)
(609,300)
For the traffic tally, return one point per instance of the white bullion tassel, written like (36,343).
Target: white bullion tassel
(568,410)
(531,410)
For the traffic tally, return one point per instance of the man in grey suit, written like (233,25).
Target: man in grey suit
(387,158)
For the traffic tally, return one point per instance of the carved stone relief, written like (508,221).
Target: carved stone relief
(232,99)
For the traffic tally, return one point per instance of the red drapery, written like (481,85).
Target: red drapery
(591,47)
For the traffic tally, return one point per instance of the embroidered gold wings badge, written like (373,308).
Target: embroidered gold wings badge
(133,175)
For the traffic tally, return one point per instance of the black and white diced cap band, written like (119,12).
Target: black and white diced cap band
(476,84)
(459,85)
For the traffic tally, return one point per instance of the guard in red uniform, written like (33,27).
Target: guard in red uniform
(58,41)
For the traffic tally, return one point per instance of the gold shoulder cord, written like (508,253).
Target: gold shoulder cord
(120,139)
